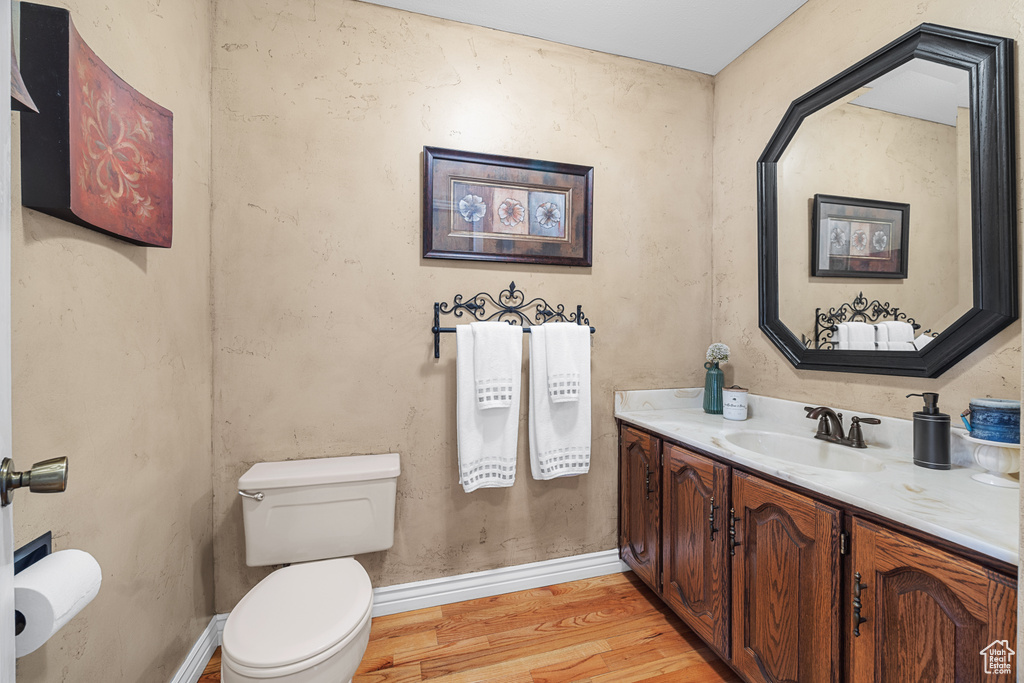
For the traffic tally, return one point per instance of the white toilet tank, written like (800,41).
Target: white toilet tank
(318,509)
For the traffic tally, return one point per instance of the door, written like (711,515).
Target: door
(694,499)
(640,504)
(923,614)
(785,616)
(6,524)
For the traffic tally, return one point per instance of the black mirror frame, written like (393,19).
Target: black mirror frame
(989,59)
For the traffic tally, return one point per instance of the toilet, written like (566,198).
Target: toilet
(309,622)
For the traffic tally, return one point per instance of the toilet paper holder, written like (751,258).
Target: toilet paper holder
(48,476)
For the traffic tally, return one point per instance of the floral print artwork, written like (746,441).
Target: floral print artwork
(839,238)
(112,158)
(472,208)
(120,153)
(858,242)
(511,212)
(879,241)
(548,214)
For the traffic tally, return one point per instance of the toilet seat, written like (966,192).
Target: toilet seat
(297,617)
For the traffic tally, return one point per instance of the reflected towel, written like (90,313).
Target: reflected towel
(922,341)
(898,331)
(559,432)
(487,439)
(860,336)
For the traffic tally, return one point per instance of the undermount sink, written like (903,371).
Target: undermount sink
(806,451)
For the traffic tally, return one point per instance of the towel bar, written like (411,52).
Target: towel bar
(510,306)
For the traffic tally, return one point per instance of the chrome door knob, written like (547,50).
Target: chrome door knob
(48,476)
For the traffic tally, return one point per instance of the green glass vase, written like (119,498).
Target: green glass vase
(714,381)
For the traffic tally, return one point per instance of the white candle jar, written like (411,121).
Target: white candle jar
(734,403)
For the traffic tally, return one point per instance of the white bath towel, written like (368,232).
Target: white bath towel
(559,432)
(497,363)
(901,346)
(487,439)
(567,345)
(861,336)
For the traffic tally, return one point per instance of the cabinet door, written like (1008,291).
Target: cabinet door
(695,495)
(640,507)
(785,616)
(928,615)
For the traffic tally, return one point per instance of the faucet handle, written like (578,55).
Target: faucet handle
(856,434)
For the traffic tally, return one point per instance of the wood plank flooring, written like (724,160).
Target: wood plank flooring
(610,629)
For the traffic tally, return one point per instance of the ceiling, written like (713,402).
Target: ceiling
(699,35)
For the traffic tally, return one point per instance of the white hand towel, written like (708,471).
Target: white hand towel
(567,345)
(497,362)
(902,346)
(487,438)
(861,336)
(899,331)
(559,432)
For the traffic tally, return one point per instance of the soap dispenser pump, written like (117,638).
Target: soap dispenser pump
(931,434)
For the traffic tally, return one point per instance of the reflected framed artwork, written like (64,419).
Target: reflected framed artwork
(852,237)
(487,207)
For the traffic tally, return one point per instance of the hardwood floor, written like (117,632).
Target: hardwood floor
(603,630)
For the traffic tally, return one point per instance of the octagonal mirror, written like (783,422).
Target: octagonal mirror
(887,197)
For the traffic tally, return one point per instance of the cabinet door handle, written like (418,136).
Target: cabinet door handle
(647,485)
(732,531)
(857,618)
(711,519)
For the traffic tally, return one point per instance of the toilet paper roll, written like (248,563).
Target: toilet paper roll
(52,591)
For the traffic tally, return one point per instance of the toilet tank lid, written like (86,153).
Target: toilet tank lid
(275,475)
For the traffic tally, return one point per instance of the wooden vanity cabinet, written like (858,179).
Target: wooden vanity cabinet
(695,506)
(757,570)
(785,584)
(919,613)
(640,504)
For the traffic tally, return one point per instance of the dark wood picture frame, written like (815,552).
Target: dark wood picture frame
(854,237)
(486,207)
(989,60)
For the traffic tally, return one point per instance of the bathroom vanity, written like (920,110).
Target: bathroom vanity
(801,560)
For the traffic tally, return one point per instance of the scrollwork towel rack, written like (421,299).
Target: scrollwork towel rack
(510,306)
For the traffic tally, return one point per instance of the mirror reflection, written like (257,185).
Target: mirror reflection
(874,214)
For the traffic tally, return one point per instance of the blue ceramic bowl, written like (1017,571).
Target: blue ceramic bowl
(995,419)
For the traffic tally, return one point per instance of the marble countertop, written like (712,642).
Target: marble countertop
(945,503)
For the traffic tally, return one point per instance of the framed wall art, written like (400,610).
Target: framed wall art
(99,153)
(494,208)
(853,237)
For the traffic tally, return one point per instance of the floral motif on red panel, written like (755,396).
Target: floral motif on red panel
(121,153)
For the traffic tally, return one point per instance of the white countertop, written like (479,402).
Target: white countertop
(945,503)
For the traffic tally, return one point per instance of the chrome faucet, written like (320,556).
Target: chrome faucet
(830,427)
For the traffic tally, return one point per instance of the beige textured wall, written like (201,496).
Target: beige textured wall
(910,161)
(323,303)
(751,96)
(112,367)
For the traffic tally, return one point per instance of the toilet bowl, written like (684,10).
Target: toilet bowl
(309,622)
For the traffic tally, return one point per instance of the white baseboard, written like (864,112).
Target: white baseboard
(201,652)
(406,597)
(433,592)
